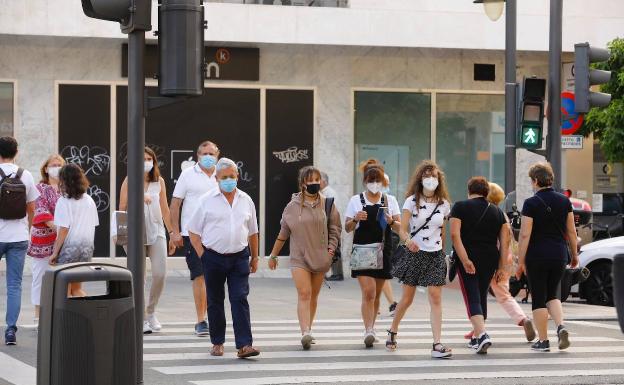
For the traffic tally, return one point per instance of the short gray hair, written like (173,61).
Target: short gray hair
(324,177)
(225,163)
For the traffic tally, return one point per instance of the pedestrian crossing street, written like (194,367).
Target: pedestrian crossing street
(339,355)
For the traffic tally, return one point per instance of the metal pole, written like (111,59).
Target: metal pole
(510,96)
(554,91)
(136,144)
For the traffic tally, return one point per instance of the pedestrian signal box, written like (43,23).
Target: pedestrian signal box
(532,113)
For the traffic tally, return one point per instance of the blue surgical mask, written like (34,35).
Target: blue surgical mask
(227,185)
(207,161)
(385,190)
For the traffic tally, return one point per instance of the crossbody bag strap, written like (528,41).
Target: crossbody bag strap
(427,220)
(474,228)
(552,218)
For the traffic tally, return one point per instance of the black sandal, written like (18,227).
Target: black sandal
(391,343)
(440,351)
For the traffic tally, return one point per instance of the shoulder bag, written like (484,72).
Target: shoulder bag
(368,257)
(454,258)
(329,203)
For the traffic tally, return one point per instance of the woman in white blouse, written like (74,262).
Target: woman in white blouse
(422,231)
(157,216)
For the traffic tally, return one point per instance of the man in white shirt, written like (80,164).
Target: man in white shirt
(224,231)
(191,185)
(14,233)
(326,189)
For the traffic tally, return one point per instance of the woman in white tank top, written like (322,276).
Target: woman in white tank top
(157,216)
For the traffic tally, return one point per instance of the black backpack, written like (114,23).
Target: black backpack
(12,196)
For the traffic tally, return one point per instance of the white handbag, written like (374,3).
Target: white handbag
(367,257)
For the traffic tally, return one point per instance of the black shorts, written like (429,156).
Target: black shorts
(193,262)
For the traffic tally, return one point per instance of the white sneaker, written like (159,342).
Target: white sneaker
(369,339)
(153,322)
(375,334)
(146,328)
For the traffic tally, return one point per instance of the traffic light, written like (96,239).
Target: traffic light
(131,14)
(181,47)
(585,77)
(532,113)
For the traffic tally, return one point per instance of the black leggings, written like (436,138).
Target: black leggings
(475,287)
(544,281)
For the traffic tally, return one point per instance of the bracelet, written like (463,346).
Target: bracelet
(273,257)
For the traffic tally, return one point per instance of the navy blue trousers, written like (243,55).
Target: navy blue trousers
(232,269)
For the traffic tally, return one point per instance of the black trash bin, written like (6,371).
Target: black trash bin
(89,340)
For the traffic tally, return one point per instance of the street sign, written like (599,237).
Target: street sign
(571,121)
(530,136)
(574,142)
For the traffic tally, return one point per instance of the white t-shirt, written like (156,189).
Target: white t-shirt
(223,228)
(80,216)
(191,185)
(16,230)
(328,192)
(430,237)
(355,205)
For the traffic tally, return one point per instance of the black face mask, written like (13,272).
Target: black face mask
(313,188)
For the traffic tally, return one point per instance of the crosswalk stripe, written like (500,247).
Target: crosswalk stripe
(260,336)
(322,321)
(148,344)
(411,377)
(308,366)
(595,324)
(495,351)
(464,326)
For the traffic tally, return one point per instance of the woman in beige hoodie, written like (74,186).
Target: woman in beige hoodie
(313,241)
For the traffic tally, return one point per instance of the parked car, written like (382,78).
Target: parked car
(598,258)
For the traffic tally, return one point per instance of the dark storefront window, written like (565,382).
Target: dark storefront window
(290,141)
(84,139)
(470,134)
(395,128)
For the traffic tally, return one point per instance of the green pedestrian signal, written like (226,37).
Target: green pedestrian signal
(531,136)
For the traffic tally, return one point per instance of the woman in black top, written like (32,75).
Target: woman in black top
(547,221)
(477,228)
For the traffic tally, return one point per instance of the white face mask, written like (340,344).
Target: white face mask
(53,172)
(374,187)
(148,166)
(430,183)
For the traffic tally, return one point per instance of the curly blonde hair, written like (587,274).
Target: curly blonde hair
(415,185)
(495,194)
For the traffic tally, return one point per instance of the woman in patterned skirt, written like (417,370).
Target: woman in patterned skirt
(422,231)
